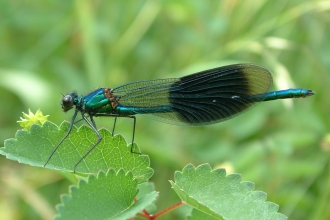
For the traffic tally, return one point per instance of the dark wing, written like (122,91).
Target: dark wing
(207,97)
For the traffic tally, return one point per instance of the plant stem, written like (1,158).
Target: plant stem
(172,207)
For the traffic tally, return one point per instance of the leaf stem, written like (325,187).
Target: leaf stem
(168,209)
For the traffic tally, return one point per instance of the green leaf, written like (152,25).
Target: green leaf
(144,189)
(34,147)
(199,215)
(221,196)
(104,196)
(143,203)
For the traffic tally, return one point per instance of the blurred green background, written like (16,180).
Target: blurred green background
(53,47)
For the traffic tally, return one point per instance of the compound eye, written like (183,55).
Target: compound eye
(67,103)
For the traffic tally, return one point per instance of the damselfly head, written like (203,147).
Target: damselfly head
(68,101)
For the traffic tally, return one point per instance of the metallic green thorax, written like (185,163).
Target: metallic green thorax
(98,101)
(101,101)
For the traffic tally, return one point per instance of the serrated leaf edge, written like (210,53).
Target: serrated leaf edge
(217,215)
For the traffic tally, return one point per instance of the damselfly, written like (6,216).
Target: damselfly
(203,98)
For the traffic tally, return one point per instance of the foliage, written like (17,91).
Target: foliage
(111,195)
(216,194)
(33,147)
(53,47)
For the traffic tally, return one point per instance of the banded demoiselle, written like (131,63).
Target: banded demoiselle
(203,98)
